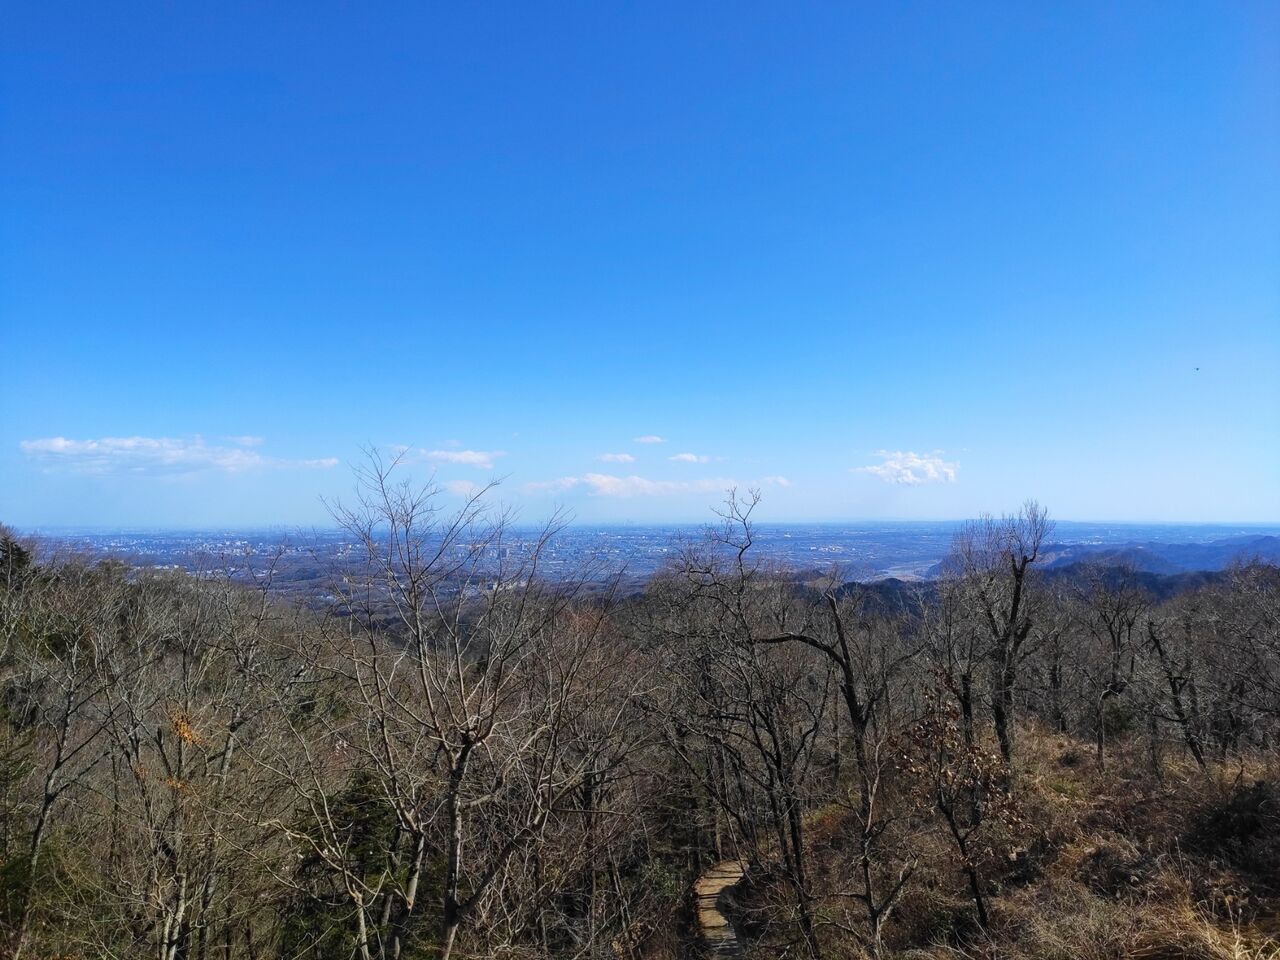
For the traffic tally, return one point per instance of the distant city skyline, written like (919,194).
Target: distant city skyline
(907,262)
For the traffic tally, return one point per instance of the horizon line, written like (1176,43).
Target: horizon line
(256,527)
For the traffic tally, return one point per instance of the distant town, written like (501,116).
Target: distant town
(303,561)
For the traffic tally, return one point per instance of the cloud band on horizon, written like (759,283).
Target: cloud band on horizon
(158,455)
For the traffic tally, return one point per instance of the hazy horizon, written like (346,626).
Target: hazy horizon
(518,524)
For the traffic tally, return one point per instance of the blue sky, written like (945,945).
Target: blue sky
(888,260)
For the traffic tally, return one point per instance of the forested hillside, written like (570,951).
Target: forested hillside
(462,759)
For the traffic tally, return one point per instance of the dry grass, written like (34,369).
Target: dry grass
(1118,865)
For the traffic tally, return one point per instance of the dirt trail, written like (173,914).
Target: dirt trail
(709,893)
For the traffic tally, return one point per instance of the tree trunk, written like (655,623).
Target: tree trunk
(965,697)
(1100,739)
(1002,715)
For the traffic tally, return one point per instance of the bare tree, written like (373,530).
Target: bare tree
(969,788)
(1113,606)
(462,676)
(957,648)
(993,560)
(58,686)
(865,664)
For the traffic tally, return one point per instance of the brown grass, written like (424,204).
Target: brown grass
(1115,865)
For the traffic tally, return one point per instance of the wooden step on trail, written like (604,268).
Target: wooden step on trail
(709,894)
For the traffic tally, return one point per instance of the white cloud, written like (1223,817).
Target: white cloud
(690,458)
(648,438)
(468,458)
(246,441)
(911,469)
(611,485)
(552,486)
(155,455)
(617,458)
(607,485)
(463,488)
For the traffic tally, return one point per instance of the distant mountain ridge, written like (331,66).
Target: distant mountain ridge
(903,597)
(1155,557)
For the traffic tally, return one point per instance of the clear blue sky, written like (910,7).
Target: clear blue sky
(887,260)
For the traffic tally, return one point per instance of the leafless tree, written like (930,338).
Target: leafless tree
(993,560)
(864,663)
(969,788)
(463,676)
(1112,606)
(57,686)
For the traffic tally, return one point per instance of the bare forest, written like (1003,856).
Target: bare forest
(459,757)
